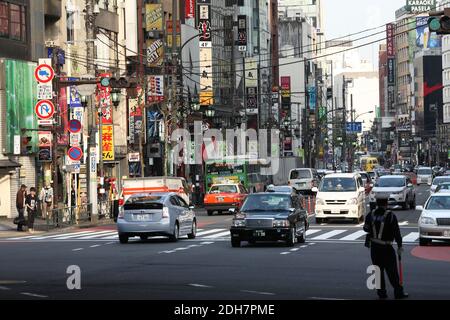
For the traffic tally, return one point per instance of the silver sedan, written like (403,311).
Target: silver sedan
(156,214)
(434,221)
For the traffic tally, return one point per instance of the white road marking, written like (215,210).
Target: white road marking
(208,232)
(4,288)
(411,237)
(69,236)
(77,249)
(199,285)
(194,245)
(52,236)
(207,242)
(110,237)
(95,246)
(179,249)
(329,234)
(312,231)
(99,234)
(304,246)
(109,243)
(217,235)
(285,253)
(19,238)
(403,223)
(259,292)
(295,249)
(33,295)
(354,235)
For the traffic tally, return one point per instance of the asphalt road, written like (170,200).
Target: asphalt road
(327,266)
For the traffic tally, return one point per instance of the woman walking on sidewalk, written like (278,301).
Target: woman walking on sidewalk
(31,204)
(20,205)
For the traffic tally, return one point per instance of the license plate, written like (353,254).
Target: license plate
(140,217)
(259,233)
(447,233)
(220,199)
(335,211)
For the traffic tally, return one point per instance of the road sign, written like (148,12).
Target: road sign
(44,73)
(45,109)
(75,153)
(354,127)
(74,126)
(45,123)
(45,91)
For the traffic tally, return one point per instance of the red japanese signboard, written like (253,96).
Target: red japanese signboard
(390,34)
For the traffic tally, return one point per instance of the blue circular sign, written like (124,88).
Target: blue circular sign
(74,126)
(75,153)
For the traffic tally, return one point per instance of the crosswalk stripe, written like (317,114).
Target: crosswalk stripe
(218,235)
(76,234)
(70,236)
(411,237)
(115,236)
(208,232)
(20,238)
(312,231)
(99,234)
(329,234)
(354,235)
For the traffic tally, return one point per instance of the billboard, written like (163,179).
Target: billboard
(45,146)
(418,6)
(189,9)
(21,93)
(103,98)
(391,71)
(108,142)
(204,23)
(206,79)
(153,17)
(424,38)
(155,89)
(155,53)
(390,35)
(251,72)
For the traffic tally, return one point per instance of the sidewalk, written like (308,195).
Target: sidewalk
(8,228)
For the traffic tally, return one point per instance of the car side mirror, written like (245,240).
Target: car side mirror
(410,185)
(419,208)
(291,210)
(315,189)
(232,210)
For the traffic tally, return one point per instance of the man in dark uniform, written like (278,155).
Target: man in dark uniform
(382,228)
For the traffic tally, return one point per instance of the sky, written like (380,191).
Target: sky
(343,17)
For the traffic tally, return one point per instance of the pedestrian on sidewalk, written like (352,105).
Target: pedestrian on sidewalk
(31,205)
(382,226)
(46,199)
(20,205)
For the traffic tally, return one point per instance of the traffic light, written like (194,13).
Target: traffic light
(439,22)
(119,83)
(26,147)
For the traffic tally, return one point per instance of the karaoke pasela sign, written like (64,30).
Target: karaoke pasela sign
(418,6)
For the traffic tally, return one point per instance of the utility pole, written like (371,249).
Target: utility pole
(352,135)
(92,148)
(344,133)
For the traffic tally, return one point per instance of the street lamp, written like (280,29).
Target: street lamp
(195,107)
(115,97)
(210,112)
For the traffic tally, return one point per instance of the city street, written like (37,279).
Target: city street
(330,265)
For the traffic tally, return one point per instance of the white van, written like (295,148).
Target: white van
(424,175)
(340,196)
(303,179)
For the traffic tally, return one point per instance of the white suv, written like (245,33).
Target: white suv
(340,196)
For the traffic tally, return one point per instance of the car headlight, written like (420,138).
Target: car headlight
(280,223)
(427,220)
(352,201)
(397,193)
(320,202)
(238,223)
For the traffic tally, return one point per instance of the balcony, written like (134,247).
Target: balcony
(53,9)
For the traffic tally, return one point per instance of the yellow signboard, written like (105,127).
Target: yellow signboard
(155,53)
(108,143)
(153,17)
(206,98)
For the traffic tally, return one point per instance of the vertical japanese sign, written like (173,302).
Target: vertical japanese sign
(189,9)
(390,34)
(242,33)
(155,89)
(391,71)
(169,31)
(108,143)
(312,98)
(135,120)
(285,93)
(104,102)
(204,22)
(390,48)
(73,97)
(45,146)
(153,17)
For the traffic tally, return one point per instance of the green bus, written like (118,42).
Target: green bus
(242,170)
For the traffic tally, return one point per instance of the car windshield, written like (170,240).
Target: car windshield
(391,182)
(338,185)
(438,203)
(301,174)
(144,202)
(266,202)
(444,186)
(223,189)
(440,180)
(424,172)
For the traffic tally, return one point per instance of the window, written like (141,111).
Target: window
(174,201)
(70,26)
(13,21)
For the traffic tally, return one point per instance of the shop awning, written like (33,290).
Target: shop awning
(6,163)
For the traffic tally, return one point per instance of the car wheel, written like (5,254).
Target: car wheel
(123,238)
(290,241)
(302,238)
(235,242)
(176,233)
(424,242)
(143,238)
(193,233)
(210,213)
